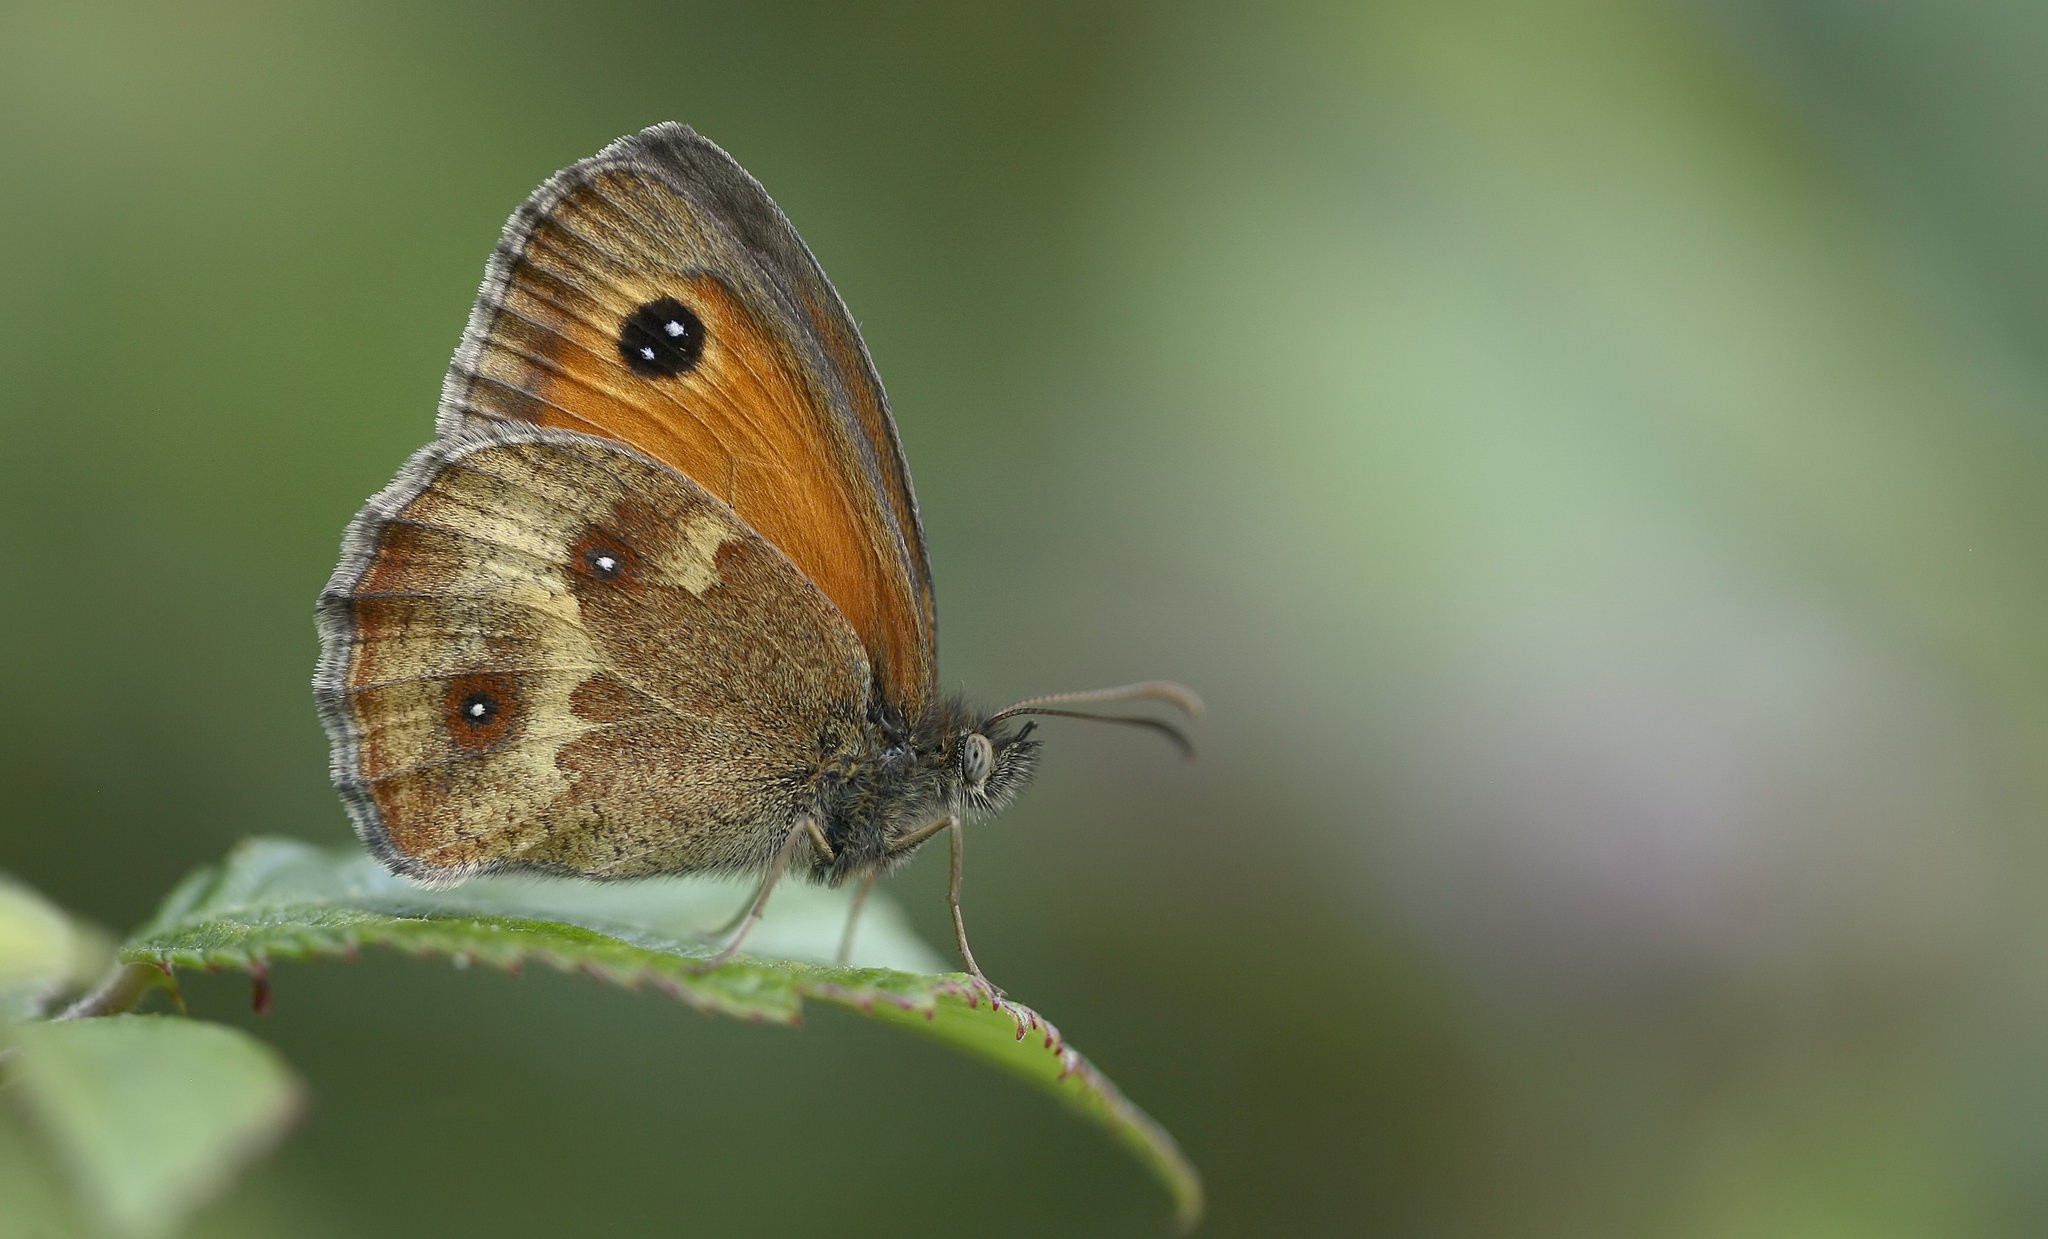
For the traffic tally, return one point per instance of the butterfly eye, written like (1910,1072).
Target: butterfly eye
(977,758)
(662,339)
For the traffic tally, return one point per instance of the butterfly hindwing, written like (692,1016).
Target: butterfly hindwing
(545,650)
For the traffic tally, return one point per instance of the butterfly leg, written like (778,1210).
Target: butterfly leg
(729,924)
(797,836)
(951,824)
(808,825)
(860,900)
(819,841)
(958,836)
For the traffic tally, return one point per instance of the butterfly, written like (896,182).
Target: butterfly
(656,598)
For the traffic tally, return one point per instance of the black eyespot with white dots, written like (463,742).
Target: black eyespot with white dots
(483,710)
(662,339)
(479,709)
(601,557)
(603,564)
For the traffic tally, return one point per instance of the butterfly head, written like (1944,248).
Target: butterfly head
(992,758)
(915,776)
(991,764)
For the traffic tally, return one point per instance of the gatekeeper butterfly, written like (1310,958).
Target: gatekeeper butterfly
(656,598)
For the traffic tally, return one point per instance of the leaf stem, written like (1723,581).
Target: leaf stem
(123,988)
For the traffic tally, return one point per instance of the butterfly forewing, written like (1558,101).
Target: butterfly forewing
(655,295)
(545,650)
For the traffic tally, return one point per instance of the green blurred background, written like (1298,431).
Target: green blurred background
(1590,455)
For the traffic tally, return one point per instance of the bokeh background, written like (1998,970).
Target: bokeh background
(1591,456)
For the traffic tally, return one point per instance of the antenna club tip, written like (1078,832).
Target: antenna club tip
(1190,702)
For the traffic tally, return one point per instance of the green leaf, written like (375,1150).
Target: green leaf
(278,899)
(43,952)
(148,1115)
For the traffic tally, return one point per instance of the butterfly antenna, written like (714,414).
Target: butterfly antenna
(1179,696)
(1172,694)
